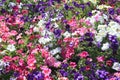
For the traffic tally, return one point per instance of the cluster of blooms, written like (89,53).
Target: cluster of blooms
(59,40)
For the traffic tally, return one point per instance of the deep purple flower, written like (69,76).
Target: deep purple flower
(16,74)
(3,10)
(89,37)
(67,27)
(114,43)
(63,73)
(82,38)
(82,69)
(89,13)
(102,74)
(47,25)
(57,33)
(113,59)
(66,6)
(88,3)
(82,6)
(118,11)
(64,65)
(98,44)
(78,76)
(37,75)
(111,11)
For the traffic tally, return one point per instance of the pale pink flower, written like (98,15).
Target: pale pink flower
(21,41)
(45,70)
(81,31)
(13,32)
(19,36)
(100,58)
(63,78)
(11,41)
(57,64)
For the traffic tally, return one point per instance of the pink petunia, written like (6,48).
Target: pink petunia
(45,70)
(31,61)
(100,58)
(83,54)
(50,60)
(7,58)
(44,53)
(21,41)
(73,64)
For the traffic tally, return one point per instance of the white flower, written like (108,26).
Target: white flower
(56,25)
(102,27)
(3,52)
(116,66)
(46,32)
(66,34)
(112,23)
(92,20)
(105,17)
(98,38)
(94,11)
(44,40)
(20,5)
(0,39)
(105,46)
(11,4)
(1,64)
(41,24)
(36,29)
(57,57)
(13,78)
(85,1)
(55,51)
(100,6)
(94,1)
(102,33)
(11,47)
(103,6)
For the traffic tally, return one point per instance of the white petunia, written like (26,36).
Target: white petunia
(36,29)
(11,47)
(1,64)
(3,52)
(103,6)
(94,1)
(67,34)
(116,66)
(0,39)
(44,40)
(105,17)
(102,33)
(41,24)
(102,27)
(98,38)
(56,25)
(55,51)
(105,46)
(85,1)
(11,4)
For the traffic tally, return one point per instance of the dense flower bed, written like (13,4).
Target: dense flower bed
(60,40)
